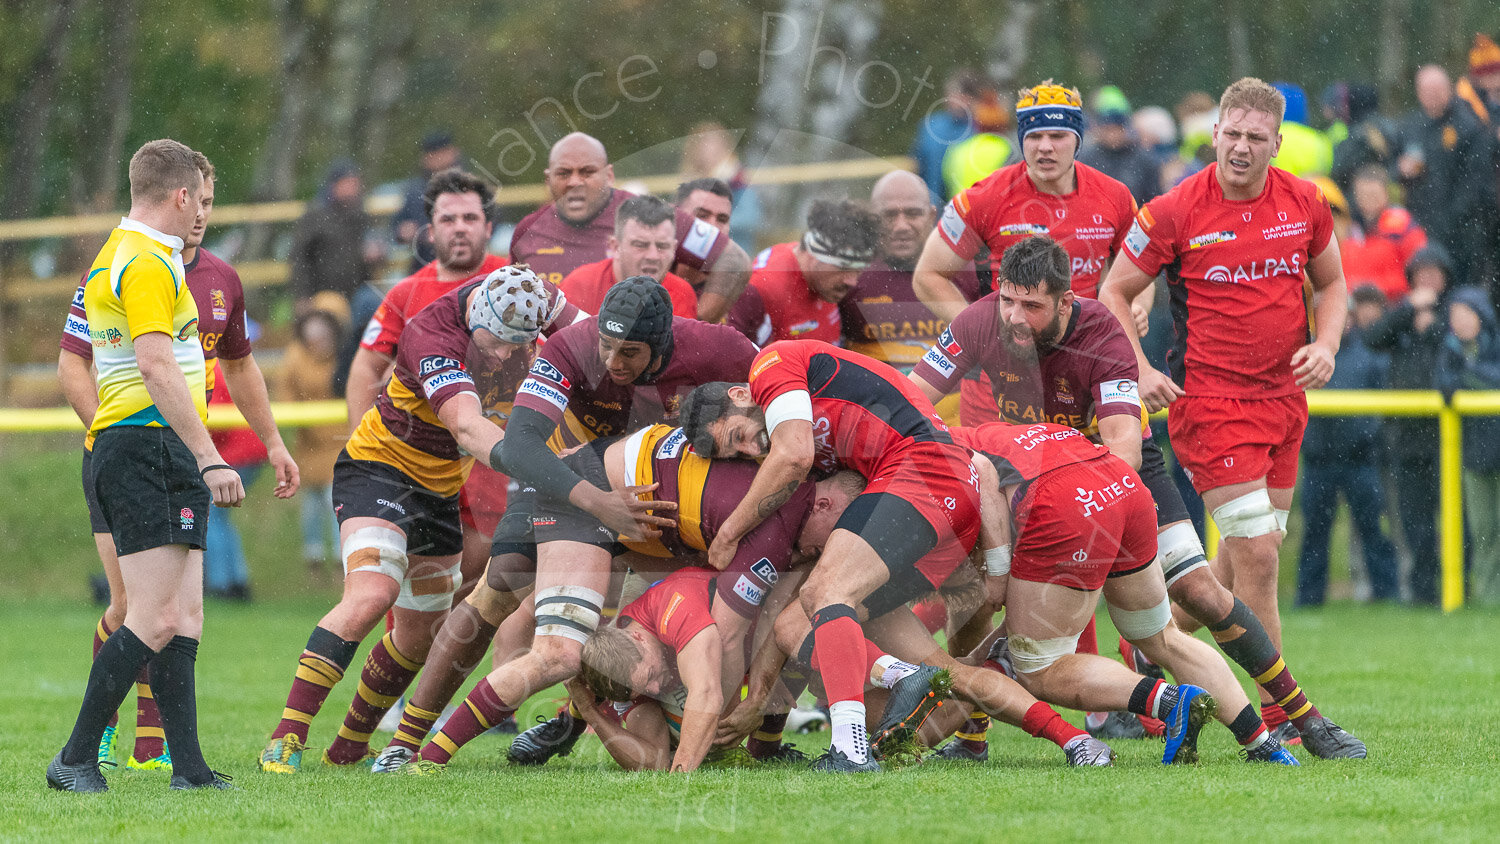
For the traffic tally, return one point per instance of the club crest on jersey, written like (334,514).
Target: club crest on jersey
(544,369)
(1098,219)
(1062,391)
(1210,239)
(1246,215)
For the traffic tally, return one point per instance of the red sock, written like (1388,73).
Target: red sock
(150,741)
(481,710)
(101,632)
(1088,641)
(1042,721)
(385,676)
(841,654)
(1273,715)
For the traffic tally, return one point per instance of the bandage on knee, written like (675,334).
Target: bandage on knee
(1029,655)
(1248,516)
(1282,517)
(1180,551)
(430,592)
(1136,625)
(571,612)
(378,550)
(493,605)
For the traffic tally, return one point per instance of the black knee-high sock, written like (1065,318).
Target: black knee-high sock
(176,696)
(111,678)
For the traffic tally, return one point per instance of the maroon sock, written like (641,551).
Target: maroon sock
(101,633)
(150,741)
(1042,721)
(841,654)
(481,710)
(319,669)
(767,739)
(385,676)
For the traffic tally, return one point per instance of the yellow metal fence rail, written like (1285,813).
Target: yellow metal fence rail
(1320,403)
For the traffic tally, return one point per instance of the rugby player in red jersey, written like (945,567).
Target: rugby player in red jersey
(574,228)
(643,243)
(395,491)
(708,199)
(1083,524)
(1047,193)
(1067,361)
(704,493)
(795,288)
(625,368)
(812,405)
(220,298)
(1240,242)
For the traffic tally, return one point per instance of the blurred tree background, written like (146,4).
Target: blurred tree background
(273,91)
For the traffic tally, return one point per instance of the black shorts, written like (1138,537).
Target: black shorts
(559,521)
(96,515)
(367,488)
(902,536)
(148,489)
(513,533)
(1169,505)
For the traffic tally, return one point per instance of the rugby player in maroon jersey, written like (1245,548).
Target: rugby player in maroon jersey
(395,491)
(574,228)
(1241,242)
(624,369)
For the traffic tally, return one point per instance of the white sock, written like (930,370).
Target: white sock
(1259,740)
(849,735)
(888,671)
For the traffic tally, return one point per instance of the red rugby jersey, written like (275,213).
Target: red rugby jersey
(864,412)
(1005,208)
(412,294)
(778,305)
(586,286)
(1026,452)
(1237,275)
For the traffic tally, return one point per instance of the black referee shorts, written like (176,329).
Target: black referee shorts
(148,490)
(96,515)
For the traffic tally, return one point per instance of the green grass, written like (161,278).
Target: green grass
(1419,687)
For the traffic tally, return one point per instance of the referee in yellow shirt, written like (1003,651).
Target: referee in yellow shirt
(155,470)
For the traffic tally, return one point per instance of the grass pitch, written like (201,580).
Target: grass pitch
(1418,687)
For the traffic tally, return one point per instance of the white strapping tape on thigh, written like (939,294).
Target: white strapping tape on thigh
(1248,516)
(1282,517)
(1031,655)
(1136,625)
(571,612)
(376,549)
(431,592)
(1180,551)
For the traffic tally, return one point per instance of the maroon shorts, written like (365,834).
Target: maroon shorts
(1082,523)
(1232,441)
(481,501)
(937,480)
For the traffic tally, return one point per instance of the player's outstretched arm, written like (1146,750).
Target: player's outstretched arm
(1117,291)
(785,468)
(933,279)
(475,433)
(996,536)
(247,386)
(1313,364)
(169,392)
(698,664)
(78,386)
(723,283)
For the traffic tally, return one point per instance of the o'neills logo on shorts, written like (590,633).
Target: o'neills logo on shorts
(186,517)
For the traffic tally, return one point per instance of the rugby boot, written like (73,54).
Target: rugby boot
(1088,752)
(784,754)
(549,738)
(1327,740)
(912,699)
(363,762)
(219,782)
(834,761)
(1286,733)
(107,745)
(392,758)
(957,751)
(420,767)
(1271,751)
(283,755)
(84,777)
(1193,709)
(1116,725)
(161,763)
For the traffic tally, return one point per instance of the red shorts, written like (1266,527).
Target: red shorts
(1220,442)
(1082,523)
(976,402)
(481,501)
(937,480)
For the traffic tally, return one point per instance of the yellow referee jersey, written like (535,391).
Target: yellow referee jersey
(137,286)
